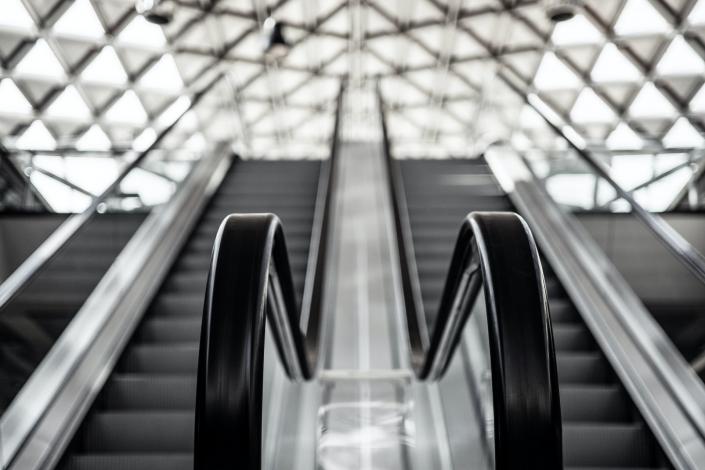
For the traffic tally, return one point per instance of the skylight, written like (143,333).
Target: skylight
(94,139)
(697,15)
(554,74)
(12,99)
(612,66)
(127,110)
(590,108)
(41,61)
(141,33)
(80,20)
(530,119)
(578,31)
(173,112)
(697,104)
(196,142)
(650,103)
(69,105)
(683,135)
(680,59)
(163,75)
(15,15)
(36,137)
(144,140)
(105,68)
(639,17)
(623,137)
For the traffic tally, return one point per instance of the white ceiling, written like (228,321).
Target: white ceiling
(93,75)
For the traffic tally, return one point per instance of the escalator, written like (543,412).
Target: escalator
(32,322)
(601,426)
(144,416)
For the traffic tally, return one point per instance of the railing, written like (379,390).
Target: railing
(688,255)
(250,279)
(664,388)
(17,281)
(494,252)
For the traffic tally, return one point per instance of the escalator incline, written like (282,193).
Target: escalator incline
(601,426)
(144,416)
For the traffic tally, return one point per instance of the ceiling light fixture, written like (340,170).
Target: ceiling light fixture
(274,43)
(562,10)
(156,11)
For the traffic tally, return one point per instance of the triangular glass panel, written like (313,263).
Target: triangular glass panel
(554,74)
(12,99)
(578,31)
(16,16)
(127,110)
(376,22)
(590,108)
(612,66)
(623,137)
(94,139)
(650,103)
(680,59)
(683,135)
(105,68)
(163,75)
(697,104)
(69,105)
(465,45)
(174,111)
(338,23)
(141,33)
(74,50)
(36,137)
(196,143)
(639,17)
(144,140)
(80,20)
(697,14)
(41,61)
(36,90)
(530,119)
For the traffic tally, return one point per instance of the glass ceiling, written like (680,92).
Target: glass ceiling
(92,75)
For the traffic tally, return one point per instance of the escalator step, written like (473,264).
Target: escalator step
(160,359)
(581,368)
(123,461)
(173,330)
(591,404)
(141,392)
(572,337)
(137,432)
(602,445)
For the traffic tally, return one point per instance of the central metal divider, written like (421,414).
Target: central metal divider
(365,409)
(371,413)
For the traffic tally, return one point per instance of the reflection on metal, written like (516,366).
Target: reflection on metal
(38,425)
(669,395)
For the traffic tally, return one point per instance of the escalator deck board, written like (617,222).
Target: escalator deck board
(143,417)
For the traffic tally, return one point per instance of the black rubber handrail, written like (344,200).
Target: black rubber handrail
(496,252)
(250,279)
